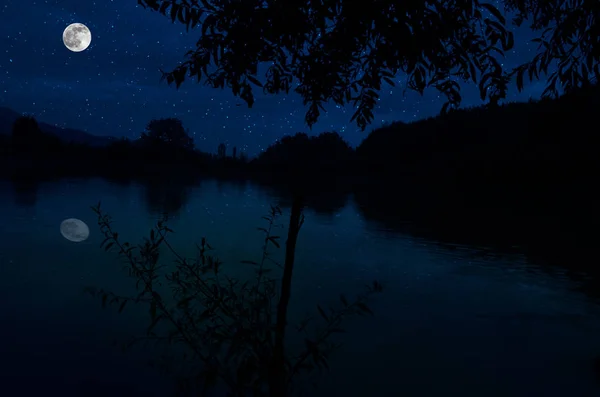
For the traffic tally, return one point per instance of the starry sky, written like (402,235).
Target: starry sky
(113,87)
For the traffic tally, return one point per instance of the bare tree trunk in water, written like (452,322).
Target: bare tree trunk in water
(278,376)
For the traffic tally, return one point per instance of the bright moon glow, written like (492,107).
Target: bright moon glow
(77,37)
(74,230)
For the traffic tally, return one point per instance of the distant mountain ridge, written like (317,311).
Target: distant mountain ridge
(8,117)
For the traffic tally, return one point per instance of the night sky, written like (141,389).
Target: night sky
(113,87)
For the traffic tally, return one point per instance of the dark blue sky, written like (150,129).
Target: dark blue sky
(113,87)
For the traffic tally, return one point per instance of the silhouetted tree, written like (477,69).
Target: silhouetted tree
(570,37)
(341,51)
(26,133)
(234,154)
(330,150)
(166,133)
(243,157)
(325,152)
(290,149)
(221,151)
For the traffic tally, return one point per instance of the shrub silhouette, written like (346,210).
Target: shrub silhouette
(230,329)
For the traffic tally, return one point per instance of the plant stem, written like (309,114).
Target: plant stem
(278,378)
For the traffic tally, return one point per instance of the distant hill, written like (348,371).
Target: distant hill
(8,117)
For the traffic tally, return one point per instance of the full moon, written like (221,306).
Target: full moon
(74,230)
(77,37)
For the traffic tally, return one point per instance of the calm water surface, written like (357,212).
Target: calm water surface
(451,321)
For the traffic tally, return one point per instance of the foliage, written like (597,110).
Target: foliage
(225,325)
(167,133)
(341,51)
(569,43)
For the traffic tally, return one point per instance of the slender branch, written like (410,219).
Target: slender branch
(160,305)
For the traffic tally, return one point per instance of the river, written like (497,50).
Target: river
(454,319)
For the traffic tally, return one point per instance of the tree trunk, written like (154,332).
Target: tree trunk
(278,376)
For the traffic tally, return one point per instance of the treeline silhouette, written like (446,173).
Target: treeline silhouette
(164,149)
(539,147)
(529,161)
(532,155)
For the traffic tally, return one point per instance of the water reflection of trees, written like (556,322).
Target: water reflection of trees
(239,185)
(167,196)
(25,191)
(323,199)
(555,241)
